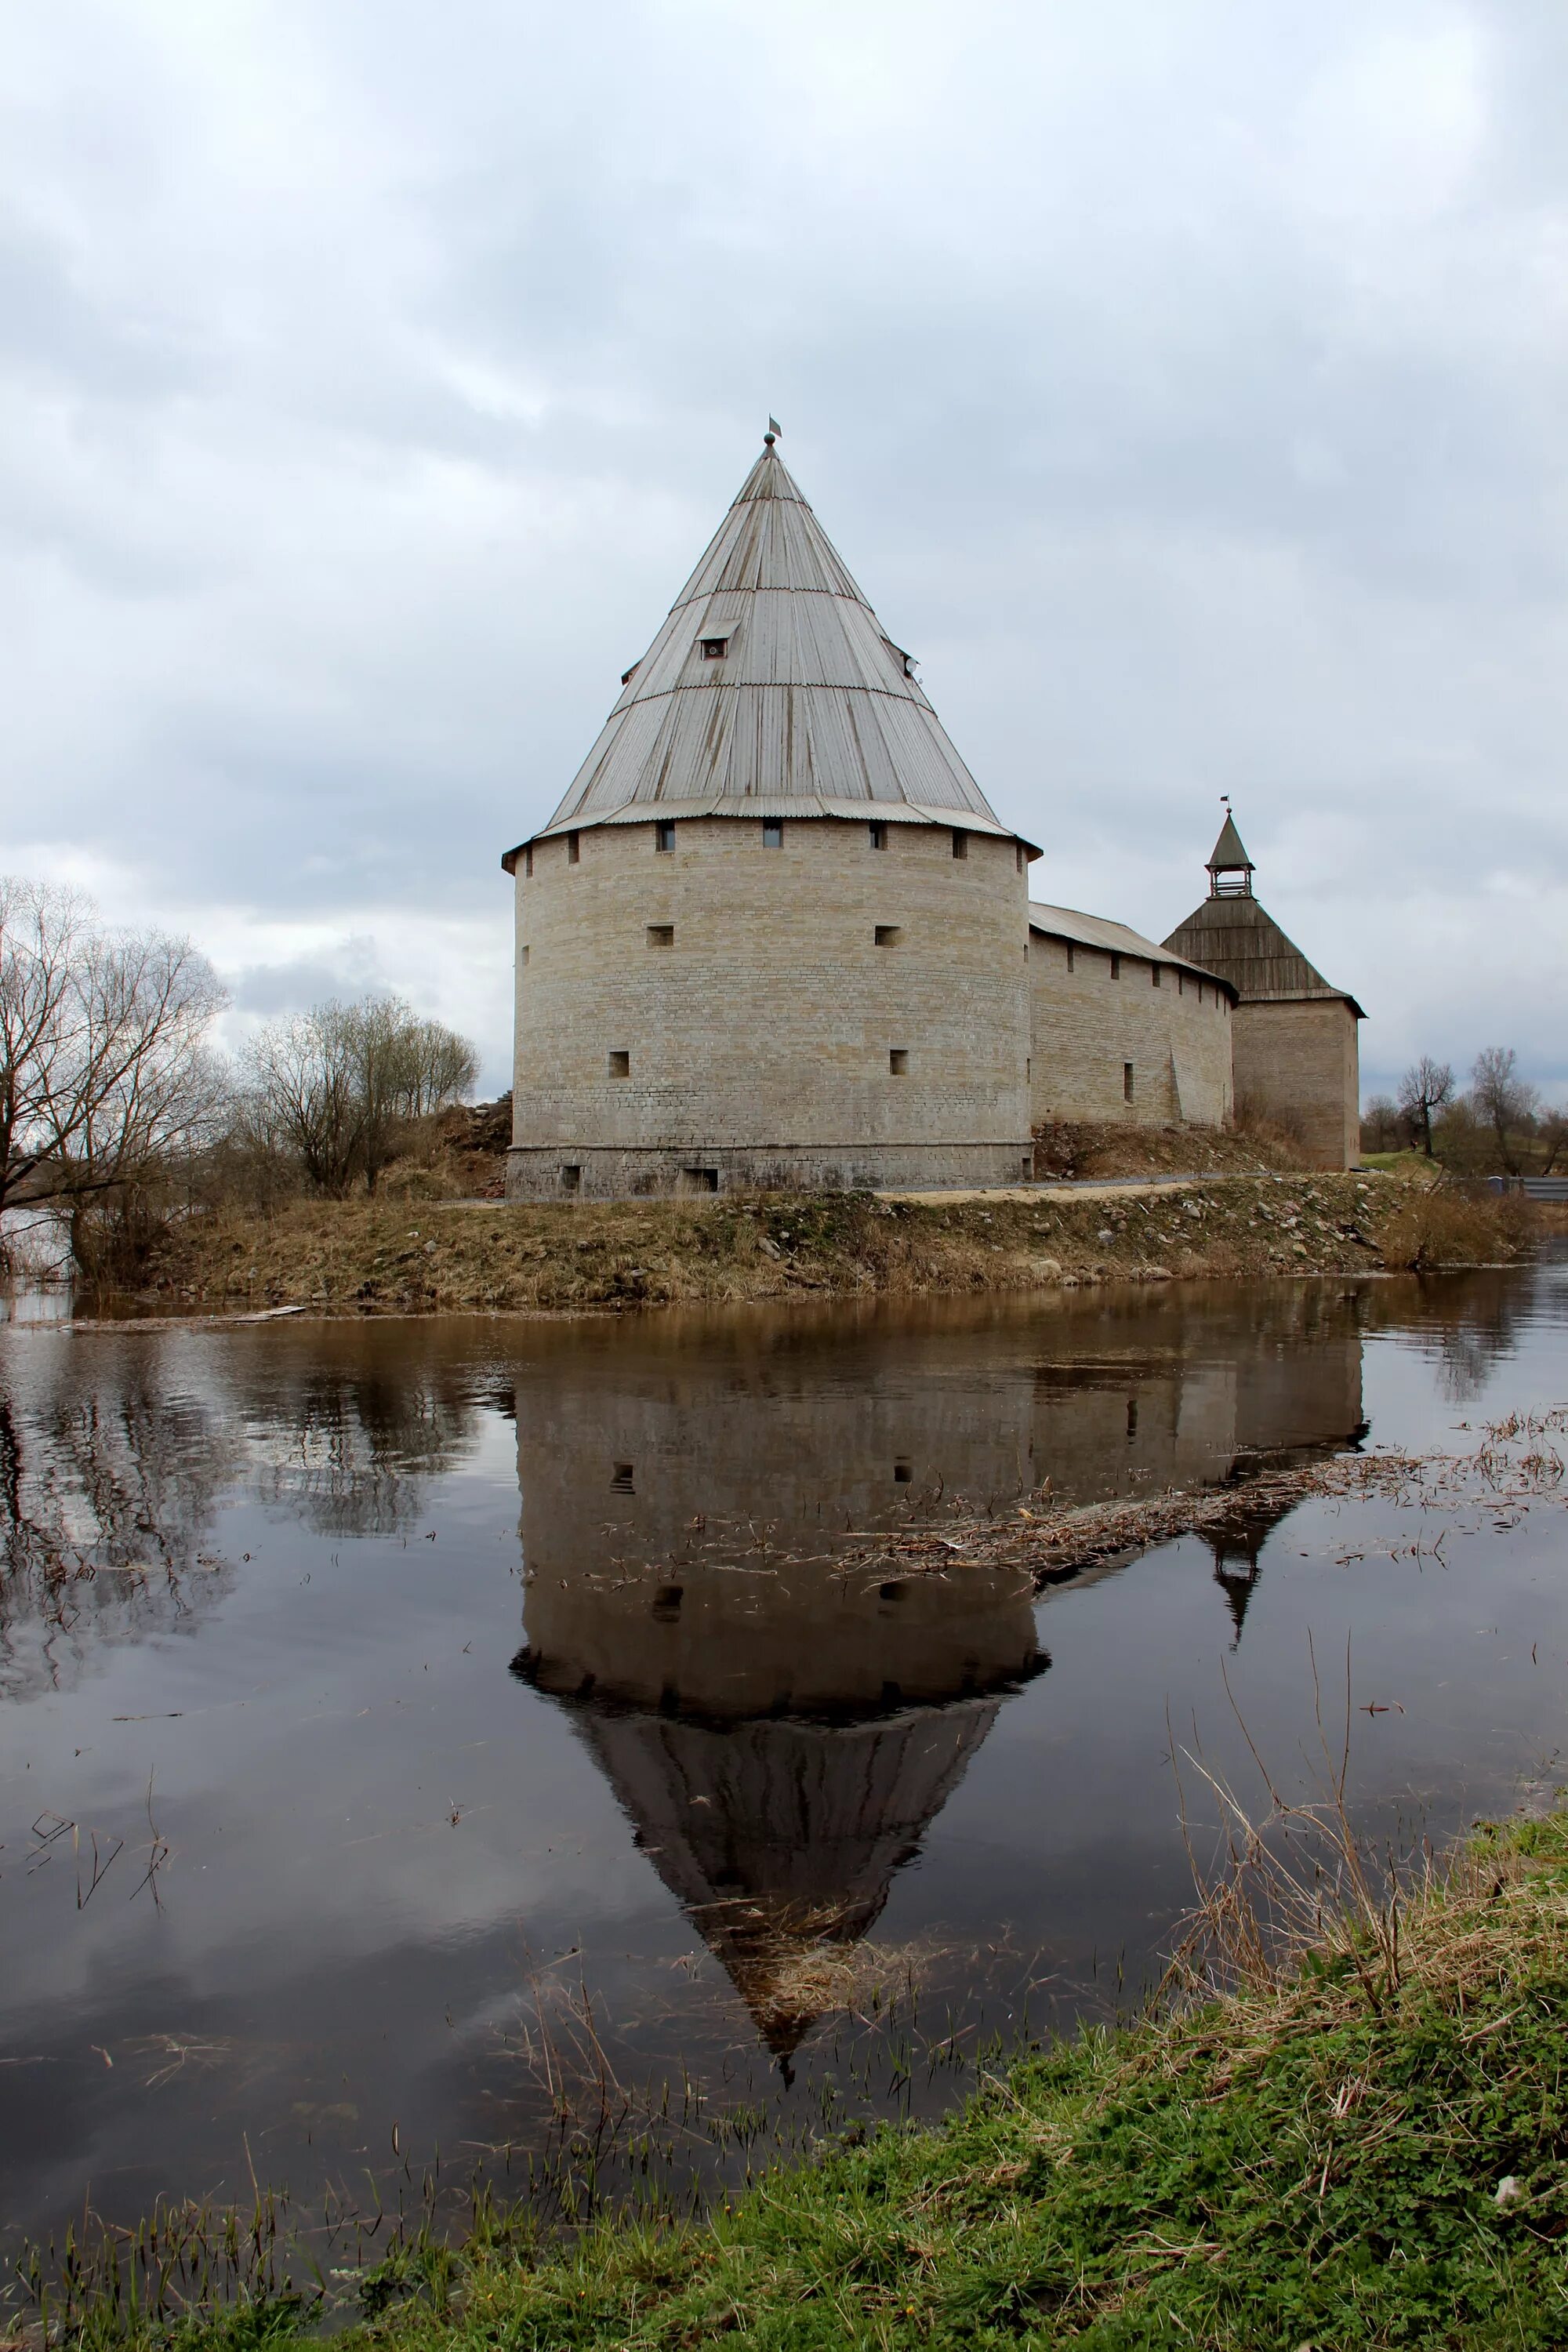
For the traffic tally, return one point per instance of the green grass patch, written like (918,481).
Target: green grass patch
(1314,2160)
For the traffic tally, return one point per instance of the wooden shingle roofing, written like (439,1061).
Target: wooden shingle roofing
(1241,939)
(811,710)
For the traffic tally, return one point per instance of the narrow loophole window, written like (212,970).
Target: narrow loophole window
(1126,1081)
(664,833)
(528,864)
(903,1472)
(667,1603)
(1018,855)
(621,1479)
(899,1061)
(878,837)
(620,1065)
(960,844)
(772,833)
(1116,967)
(1131,1419)
(1182,984)
(1070,958)
(888,935)
(573,849)
(571,1179)
(525,955)
(661,935)
(1155,976)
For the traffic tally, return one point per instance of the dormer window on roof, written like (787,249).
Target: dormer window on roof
(714,648)
(905,661)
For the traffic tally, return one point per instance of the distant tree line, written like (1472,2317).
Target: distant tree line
(1495,1126)
(117,1109)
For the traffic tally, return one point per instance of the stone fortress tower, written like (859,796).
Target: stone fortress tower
(1293,1034)
(774,934)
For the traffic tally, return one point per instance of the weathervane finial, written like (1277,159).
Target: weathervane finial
(774,430)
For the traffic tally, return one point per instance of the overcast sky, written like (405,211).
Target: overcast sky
(1184,382)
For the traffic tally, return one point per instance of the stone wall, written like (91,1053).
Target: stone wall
(1087,1026)
(1297,1064)
(722,1012)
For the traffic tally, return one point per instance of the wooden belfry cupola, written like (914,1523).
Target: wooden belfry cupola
(1230,869)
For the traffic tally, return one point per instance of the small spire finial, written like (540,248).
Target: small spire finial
(771,435)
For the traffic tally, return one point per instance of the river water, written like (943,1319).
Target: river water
(408,1684)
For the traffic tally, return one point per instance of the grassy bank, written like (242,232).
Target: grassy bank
(1366,2147)
(377,1256)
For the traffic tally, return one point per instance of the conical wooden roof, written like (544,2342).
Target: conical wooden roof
(1229,855)
(811,710)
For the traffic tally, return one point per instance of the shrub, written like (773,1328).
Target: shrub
(1451,1225)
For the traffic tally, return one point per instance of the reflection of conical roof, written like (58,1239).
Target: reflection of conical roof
(782,1837)
(808,709)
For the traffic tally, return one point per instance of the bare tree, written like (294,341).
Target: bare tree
(1427,1085)
(338,1085)
(1553,1133)
(1503,1100)
(104,1064)
(1379,1126)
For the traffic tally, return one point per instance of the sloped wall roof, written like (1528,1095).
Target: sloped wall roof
(811,710)
(1113,938)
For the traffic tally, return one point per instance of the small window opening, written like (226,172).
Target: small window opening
(1155,976)
(621,1479)
(620,1064)
(700,1179)
(960,844)
(664,833)
(1027,1168)
(772,833)
(571,1179)
(888,935)
(892,1590)
(1070,956)
(628,675)
(903,1472)
(1131,1419)
(715,648)
(878,837)
(573,849)
(1182,984)
(1126,1081)
(667,1603)
(899,1061)
(661,935)
(1018,856)
(525,955)
(528,864)
(1116,967)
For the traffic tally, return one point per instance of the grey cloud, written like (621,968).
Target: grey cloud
(1191,409)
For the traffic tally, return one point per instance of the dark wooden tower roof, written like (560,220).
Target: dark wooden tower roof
(1233,934)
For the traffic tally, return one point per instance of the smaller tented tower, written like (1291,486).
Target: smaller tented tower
(1293,1036)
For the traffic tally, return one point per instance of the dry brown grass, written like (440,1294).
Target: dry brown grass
(1446,1224)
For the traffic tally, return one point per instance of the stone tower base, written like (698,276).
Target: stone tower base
(539,1172)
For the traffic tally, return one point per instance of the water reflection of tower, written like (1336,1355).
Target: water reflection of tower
(781,1737)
